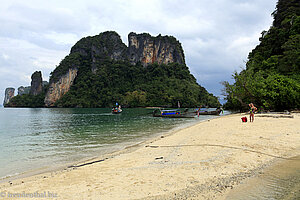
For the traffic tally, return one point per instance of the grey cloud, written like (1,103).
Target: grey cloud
(32,24)
(45,19)
(216,35)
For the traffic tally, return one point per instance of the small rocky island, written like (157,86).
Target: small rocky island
(30,96)
(101,70)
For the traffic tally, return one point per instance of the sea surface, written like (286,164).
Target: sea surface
(33,139)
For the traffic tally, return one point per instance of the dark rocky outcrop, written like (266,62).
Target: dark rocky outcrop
(24,90)
(36,83)
(31,96)
(45,83)
(9,93)
(100,47)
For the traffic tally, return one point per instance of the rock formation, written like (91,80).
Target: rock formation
(106,47)
(148,50)
(9,93)
(36,83)
(58,89)
(45,83)
(24,90)
(100,47)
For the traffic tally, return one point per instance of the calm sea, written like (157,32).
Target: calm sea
(33,139)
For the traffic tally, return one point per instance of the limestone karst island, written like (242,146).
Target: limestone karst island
(101,70)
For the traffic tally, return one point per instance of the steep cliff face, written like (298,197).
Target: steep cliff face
(106,45)
(36,83)
(89,51)
(58,89)
(9,93)
(148,50)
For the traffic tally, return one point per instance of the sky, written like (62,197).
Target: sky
(216,35)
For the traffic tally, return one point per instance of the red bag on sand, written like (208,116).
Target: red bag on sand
(244,119)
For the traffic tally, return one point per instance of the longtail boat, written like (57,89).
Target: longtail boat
(173,113)
(214,112)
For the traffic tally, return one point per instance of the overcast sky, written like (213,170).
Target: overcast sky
(216,35)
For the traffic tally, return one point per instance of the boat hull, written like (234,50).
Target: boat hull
(172,114)
(175,116)
(215,112)
(116,111)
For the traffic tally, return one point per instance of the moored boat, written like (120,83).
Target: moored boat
(214,112)
(117,109)
(173,113)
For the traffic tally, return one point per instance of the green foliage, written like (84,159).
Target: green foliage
(135,98)
(135,85)
(27,100)
(105,76)
(268,90)
(285,9)
(70,61)
(272,76)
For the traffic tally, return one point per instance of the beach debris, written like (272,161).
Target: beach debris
(152,146)
(88,163)
(159,158)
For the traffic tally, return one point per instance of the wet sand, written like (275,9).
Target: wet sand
(280,181)
(204,161)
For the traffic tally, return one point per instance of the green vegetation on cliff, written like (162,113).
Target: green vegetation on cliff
(28,100)
(105,76)
(134,86)
(271,79)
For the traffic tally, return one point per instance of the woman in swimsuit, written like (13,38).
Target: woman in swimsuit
(252,111)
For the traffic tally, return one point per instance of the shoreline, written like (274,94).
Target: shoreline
(201,161)
(115,149)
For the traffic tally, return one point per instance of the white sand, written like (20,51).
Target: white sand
(204,161)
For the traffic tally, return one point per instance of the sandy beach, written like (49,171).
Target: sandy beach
(204,161)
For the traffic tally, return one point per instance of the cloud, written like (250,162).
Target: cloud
(216,35)
(20,59)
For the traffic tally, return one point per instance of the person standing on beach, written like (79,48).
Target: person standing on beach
(198,111)
(252,111)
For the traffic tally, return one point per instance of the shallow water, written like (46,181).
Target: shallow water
(279,182)
(41,137)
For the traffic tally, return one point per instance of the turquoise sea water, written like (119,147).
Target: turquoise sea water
(38,138)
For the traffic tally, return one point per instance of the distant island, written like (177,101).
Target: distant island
(101,70)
